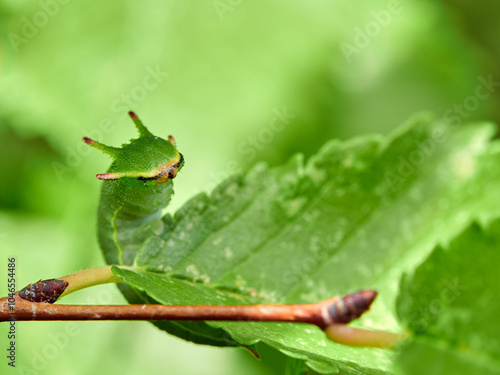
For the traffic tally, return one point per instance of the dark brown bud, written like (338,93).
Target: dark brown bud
(44,290)
(352,306)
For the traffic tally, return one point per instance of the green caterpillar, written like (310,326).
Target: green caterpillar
(137,186)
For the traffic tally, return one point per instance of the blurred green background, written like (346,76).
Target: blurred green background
(236,82)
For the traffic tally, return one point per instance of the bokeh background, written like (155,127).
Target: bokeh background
(236,82)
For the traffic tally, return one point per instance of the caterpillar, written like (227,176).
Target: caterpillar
(136,188)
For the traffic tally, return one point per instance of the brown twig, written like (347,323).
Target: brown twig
(322,314)
(35,302)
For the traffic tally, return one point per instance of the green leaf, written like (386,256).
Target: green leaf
(451,309)
(298,340)
(295,367)
(356,215)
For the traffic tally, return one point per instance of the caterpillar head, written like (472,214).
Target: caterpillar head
(147,158)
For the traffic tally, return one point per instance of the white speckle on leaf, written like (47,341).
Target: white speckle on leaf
(348,161)
(193,271)
(291,207)
(463,164)
(301,341)
(204,278)
(297,227)
(465,168)
(189,226)
(182,235)
(217,241)
(153,251)
(170,243)
(365,270)
(311,296)
(317,174)
(269,296)
(228,253)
